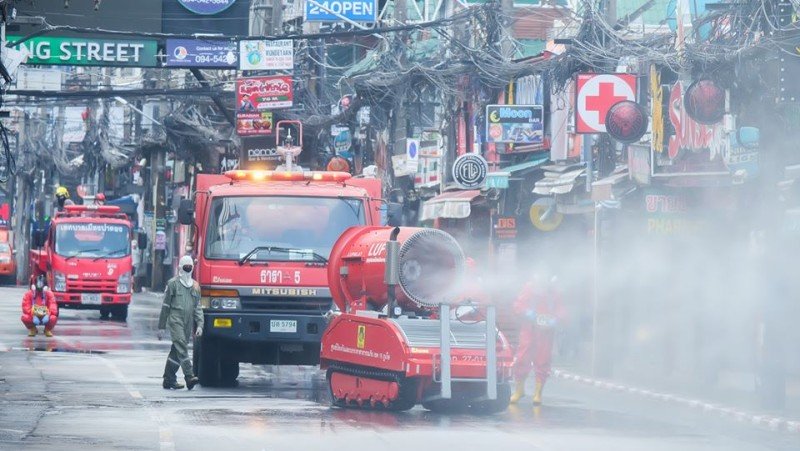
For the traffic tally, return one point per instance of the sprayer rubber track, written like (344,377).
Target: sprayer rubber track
(406,399)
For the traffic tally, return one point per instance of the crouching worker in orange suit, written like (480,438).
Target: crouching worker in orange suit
(39,308)
(540,310)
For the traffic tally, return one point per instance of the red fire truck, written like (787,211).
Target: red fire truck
(86,256)
(261,241)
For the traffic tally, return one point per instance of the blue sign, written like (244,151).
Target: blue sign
(342,143)
(334,10)
(207,7)
(201,53)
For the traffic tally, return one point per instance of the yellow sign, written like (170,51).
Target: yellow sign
(223,322)
(538,219)
(362,336)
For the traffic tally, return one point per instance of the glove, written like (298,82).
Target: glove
(198,332)
(531,315)
(160,334)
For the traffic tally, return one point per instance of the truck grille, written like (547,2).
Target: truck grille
(309,306)
(422,333)
(91,286)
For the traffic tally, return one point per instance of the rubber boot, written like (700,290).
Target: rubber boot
(48,333)
(519,391)
(191,381)
(537,395)
(32,331)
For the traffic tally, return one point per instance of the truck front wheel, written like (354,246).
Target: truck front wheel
(212,369)
(120,312)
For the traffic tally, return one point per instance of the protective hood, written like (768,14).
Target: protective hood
(184,276)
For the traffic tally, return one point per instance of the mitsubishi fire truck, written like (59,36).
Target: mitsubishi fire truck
(261,241)
(86,256)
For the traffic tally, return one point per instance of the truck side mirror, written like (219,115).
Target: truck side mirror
(141,240)
(186,212)
(394,214)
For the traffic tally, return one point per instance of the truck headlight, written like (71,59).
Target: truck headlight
(226,303)
(124,283)
(5,259)
(59,281)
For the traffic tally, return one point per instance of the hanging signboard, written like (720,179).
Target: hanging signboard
(259,153)
(78,51)
(266,55)
(201,53)
(514,124)
(684,147)
(469,171)
(335,10)
(596,94)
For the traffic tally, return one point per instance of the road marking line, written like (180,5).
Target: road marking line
(166,443)
(772,423)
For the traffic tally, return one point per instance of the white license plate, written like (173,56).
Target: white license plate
(90,298)
(282,325)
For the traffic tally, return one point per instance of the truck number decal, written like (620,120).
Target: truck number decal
(275,276)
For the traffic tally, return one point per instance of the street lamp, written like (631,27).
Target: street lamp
(145,115)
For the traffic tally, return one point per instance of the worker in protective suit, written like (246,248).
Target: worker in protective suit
(62,198)
(540,308)
(181,312)
(39,308)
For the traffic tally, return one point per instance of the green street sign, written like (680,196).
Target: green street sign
(58,51)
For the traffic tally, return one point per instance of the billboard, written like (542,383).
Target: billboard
(201,53)
(514,124)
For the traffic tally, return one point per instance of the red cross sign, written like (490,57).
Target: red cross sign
(595,94)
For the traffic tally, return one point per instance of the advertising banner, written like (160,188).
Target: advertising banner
(514,124)
(59,51)
(201,53)
(266,55)
(355,10)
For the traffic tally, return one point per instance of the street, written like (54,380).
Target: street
(97,385)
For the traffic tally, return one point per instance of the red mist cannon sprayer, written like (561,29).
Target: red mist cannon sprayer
(398,340)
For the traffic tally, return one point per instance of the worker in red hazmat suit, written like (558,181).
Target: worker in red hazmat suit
(39,308)
(540,310)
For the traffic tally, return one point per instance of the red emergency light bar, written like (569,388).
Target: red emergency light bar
(107,209)
(92,210)
(287,176)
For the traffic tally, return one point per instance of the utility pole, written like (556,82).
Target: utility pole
(157,163)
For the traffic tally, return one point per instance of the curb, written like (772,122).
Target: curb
(766,421)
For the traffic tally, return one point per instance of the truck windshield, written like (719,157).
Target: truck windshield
(298,228)
(92,240)
(5,248)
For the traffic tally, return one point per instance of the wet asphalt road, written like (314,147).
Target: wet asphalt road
(97,385)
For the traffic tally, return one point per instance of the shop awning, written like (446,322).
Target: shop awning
(559,179)
(500,179)
(453,205)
